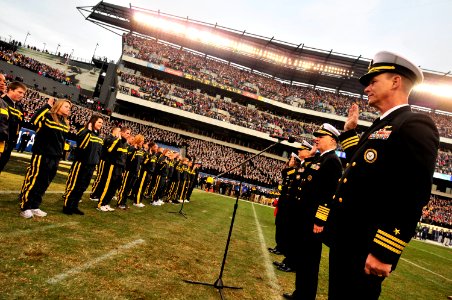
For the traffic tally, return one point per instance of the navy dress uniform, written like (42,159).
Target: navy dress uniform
(313,197)
(380,196)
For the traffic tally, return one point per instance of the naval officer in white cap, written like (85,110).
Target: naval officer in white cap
(385,184)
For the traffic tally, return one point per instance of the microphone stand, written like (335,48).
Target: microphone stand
(218,284)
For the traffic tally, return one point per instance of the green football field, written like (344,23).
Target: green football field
(147,253)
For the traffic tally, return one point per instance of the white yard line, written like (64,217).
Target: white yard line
(27,231)
(412,263)
(91,263)
(276,289)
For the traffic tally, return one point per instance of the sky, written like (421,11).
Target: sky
(420,30)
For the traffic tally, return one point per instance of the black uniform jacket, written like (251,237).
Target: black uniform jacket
(16,117)
(385,184)
(316,187)
(89,147)
(50,134)
(116,151)
(4,124)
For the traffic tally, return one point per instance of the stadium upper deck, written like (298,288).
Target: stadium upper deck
(284,61)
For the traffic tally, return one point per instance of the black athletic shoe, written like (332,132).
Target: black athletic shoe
(67,211)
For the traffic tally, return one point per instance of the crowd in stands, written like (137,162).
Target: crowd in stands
(438,212)
(35,66)
(222,72)
(219,109)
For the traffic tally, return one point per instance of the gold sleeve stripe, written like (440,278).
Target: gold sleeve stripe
(4,111)
(391,237)
(291,172)
(85,142)
(81,129)
(321,217)
(388,241)
(96,140)
(125,150)
(324,209)
(40,116)
(58,128)
(113,145)
(348,142)
(387,246)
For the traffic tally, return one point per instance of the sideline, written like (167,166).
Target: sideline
(234,198)
(275,287)
(439,275)
(91,263)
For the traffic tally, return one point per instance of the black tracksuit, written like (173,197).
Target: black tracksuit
(15,119)
(115,162)
(47,152)
(87,156)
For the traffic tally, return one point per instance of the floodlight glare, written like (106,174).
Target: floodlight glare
(444,91)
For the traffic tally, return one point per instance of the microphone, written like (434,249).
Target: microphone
(290,139)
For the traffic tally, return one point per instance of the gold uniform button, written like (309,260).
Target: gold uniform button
(354,164)
(345,180)
(347,165)
(334,196)
(340,200)
(339,180)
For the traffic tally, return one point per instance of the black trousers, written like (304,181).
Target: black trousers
(307,266)
(77,182)
(22,146)
(99,182)
(128,181)
(112,183)
(140,186)
(347,279)
(39,175)
(6,155)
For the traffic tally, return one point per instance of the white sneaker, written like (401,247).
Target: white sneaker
(27,214)
(103,208)
(109,208)
(39,213)
(187,201)
(139,205)
(114,198)
(180,200)
(160,202)
(155,203)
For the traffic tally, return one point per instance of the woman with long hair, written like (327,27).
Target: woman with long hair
(52,124)
(87,156)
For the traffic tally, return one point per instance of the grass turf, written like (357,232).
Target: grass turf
(147,253)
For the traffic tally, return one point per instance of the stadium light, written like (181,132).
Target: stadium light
(444,91)
(56,51)
(25,42)
(97,44)
(210,38)
(43,48)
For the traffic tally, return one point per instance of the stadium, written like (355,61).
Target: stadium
(217,96)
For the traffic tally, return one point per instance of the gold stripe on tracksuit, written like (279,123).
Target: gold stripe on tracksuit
(100,170)
(30,179)
(125,175)
(155,188)
(107,183)
(141,187)
(72,180)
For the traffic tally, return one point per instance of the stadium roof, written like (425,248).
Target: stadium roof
(307,66)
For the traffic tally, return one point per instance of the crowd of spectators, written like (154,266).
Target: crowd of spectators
(221,72)
(438,212)
(216,108)
(35,66)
